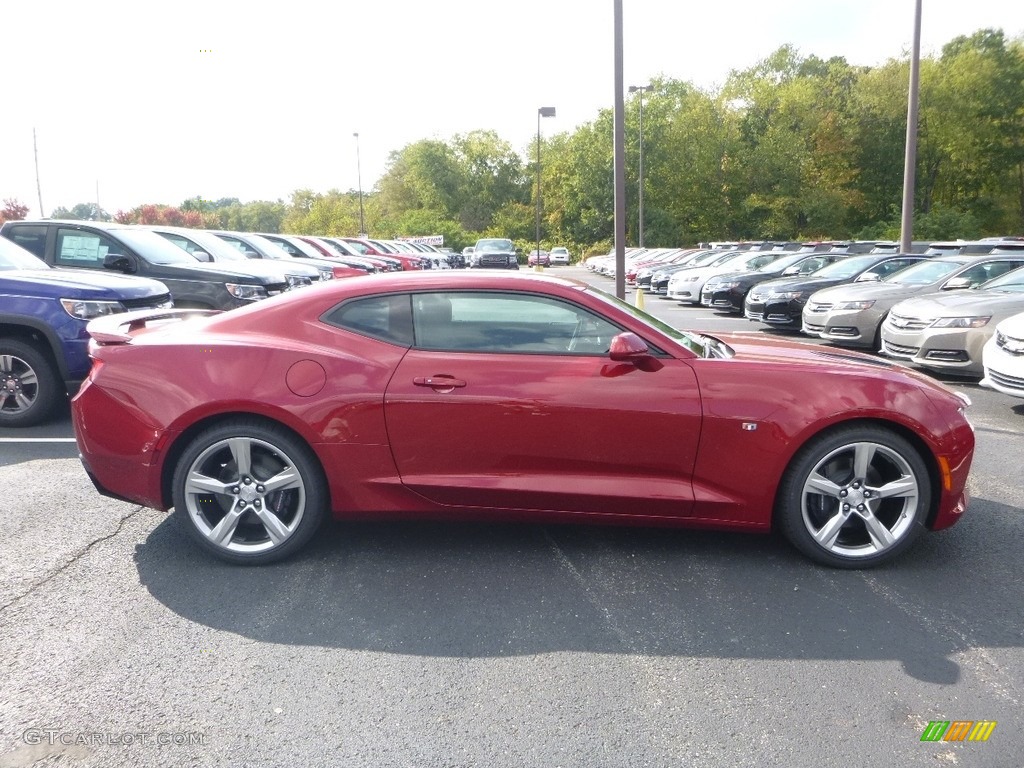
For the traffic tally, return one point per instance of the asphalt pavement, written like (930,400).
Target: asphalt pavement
(439,644)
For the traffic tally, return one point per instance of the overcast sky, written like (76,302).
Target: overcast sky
(158,102)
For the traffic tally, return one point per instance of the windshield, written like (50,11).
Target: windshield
(848,267)
(13,256)
(781,264)
(270,249)
(925,273)
(152,247)
(500,246)
(691,341)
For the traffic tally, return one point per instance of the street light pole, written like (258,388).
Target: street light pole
(910,154)
(359,178)
(640,213)
(541,112)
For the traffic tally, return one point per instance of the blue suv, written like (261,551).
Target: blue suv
(43,342)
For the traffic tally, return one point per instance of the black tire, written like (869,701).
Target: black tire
(30,387)
(876,343)
(248,492)
(854,497)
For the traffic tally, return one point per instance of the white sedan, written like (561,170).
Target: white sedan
(1003,358)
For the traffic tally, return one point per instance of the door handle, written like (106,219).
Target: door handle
(440,382)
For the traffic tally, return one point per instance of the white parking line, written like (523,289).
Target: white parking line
(37,439)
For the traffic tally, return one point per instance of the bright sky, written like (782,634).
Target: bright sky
(158,102)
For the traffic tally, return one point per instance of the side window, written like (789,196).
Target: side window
(383,317)
(235,243)
(76,248)
(982,273)
(507,323)
(30,237)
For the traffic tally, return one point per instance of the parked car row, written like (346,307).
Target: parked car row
(949,307)
(58,275)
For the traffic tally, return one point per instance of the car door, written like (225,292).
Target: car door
(509,400)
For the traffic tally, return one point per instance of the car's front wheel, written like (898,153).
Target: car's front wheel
(29,386)
(854,497)
(249,492)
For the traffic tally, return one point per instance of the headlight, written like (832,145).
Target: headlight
(689,278)
(326,274)
(246,292)
(787,295)
(87,310)
(855,304)
(961,322)
(297,281)
(725,286)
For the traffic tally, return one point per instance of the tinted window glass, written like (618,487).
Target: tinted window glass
(383,317)
(30,237)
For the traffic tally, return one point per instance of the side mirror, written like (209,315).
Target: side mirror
(202,255)
(118,262)
(627,347)
(957,283)
(251,254)
(869,277)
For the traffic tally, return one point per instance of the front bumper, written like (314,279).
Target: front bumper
(957,350)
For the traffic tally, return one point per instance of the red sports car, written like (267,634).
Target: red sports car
(514,397)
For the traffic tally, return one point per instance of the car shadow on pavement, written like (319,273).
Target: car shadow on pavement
(481,590)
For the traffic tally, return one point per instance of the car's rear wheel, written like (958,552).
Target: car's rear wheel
(29,386)
(249,492)
(854,497)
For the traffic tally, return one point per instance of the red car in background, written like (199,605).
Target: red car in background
(376,248)
(497,396)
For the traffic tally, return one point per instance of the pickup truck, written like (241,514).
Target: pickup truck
(43,343)
(129,250)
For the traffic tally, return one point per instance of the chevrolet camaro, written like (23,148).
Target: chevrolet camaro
(514,397)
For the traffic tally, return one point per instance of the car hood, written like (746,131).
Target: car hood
(776,351)
(868,290)
(77,284)
(1013,326)
(800,284)
(275,270)
(963,304)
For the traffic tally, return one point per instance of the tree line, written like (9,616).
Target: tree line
(792,148)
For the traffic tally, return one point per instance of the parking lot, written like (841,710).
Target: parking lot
(417,643)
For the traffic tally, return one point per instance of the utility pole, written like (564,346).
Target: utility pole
(39,189)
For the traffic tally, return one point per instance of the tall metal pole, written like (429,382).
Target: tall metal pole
(541,112)
(910,159)
(359,178)
(619,131)
(538,187)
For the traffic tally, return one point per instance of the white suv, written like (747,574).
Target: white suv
(560,256)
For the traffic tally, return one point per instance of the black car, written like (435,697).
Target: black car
(495,252)
(727,292)
(126,249)
(781,302)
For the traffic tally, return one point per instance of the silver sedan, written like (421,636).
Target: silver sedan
(947,332)
(852,314)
